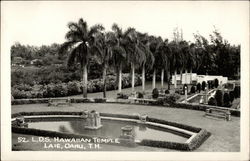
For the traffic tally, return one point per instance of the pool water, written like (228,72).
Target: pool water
(110,129)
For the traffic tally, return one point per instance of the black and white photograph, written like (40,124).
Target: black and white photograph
(134,77)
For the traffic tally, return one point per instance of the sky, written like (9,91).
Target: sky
(45,22)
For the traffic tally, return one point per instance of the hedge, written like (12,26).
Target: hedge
(198,139)
(201,107)
(165,144)
(182,126)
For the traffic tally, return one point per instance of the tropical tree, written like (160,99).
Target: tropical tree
(153,46)
(119,53)
(102,49)
(135,56)
(149,61)
(188,58)
(79,40)
(206,54)
(163,59)
(176,59)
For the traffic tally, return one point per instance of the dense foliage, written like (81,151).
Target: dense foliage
(67,89)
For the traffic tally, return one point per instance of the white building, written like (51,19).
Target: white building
(198,78)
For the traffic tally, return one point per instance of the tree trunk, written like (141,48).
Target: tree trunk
(191,71)
(133,77)
(153,82)
(117,78)
(85,81)
(175,80)
(143,78)
(169,80)
(104,81)
(120,80)
(181,75)
(186,76)
(162,78)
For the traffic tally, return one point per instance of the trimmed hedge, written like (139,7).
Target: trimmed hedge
(198,139)
(165,144)
(182,126)
(201,107)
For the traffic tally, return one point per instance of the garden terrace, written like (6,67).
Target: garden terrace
(220,140)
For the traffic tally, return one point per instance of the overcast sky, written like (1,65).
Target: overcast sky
(43,23)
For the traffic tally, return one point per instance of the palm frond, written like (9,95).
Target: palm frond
(117,30)
(65,47)
(94,29)
(83,27)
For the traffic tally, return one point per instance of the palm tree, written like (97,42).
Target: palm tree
(135,56)
(154,45)
(79,39)
(149,61)
(176,59)
(103,50)
(164,55)
(119,54)
(188,60)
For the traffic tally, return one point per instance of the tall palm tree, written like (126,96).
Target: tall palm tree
(187,57)
(103,50)
(164,55)
(154,45)
(79,40)
(149,61)
(119,54)
(135,56)
(176,60)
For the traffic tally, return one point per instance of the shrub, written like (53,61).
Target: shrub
(198,87)
(226,100)
(17,94)
(167,91)
(212,101)
(219,97)
(140,95)
(231,95)
(100,100)
(237,91)
(192,89)
(216,83)
(122,96)
(23,87)
(155,93)
(203,85)
(172,98)
(73,88)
